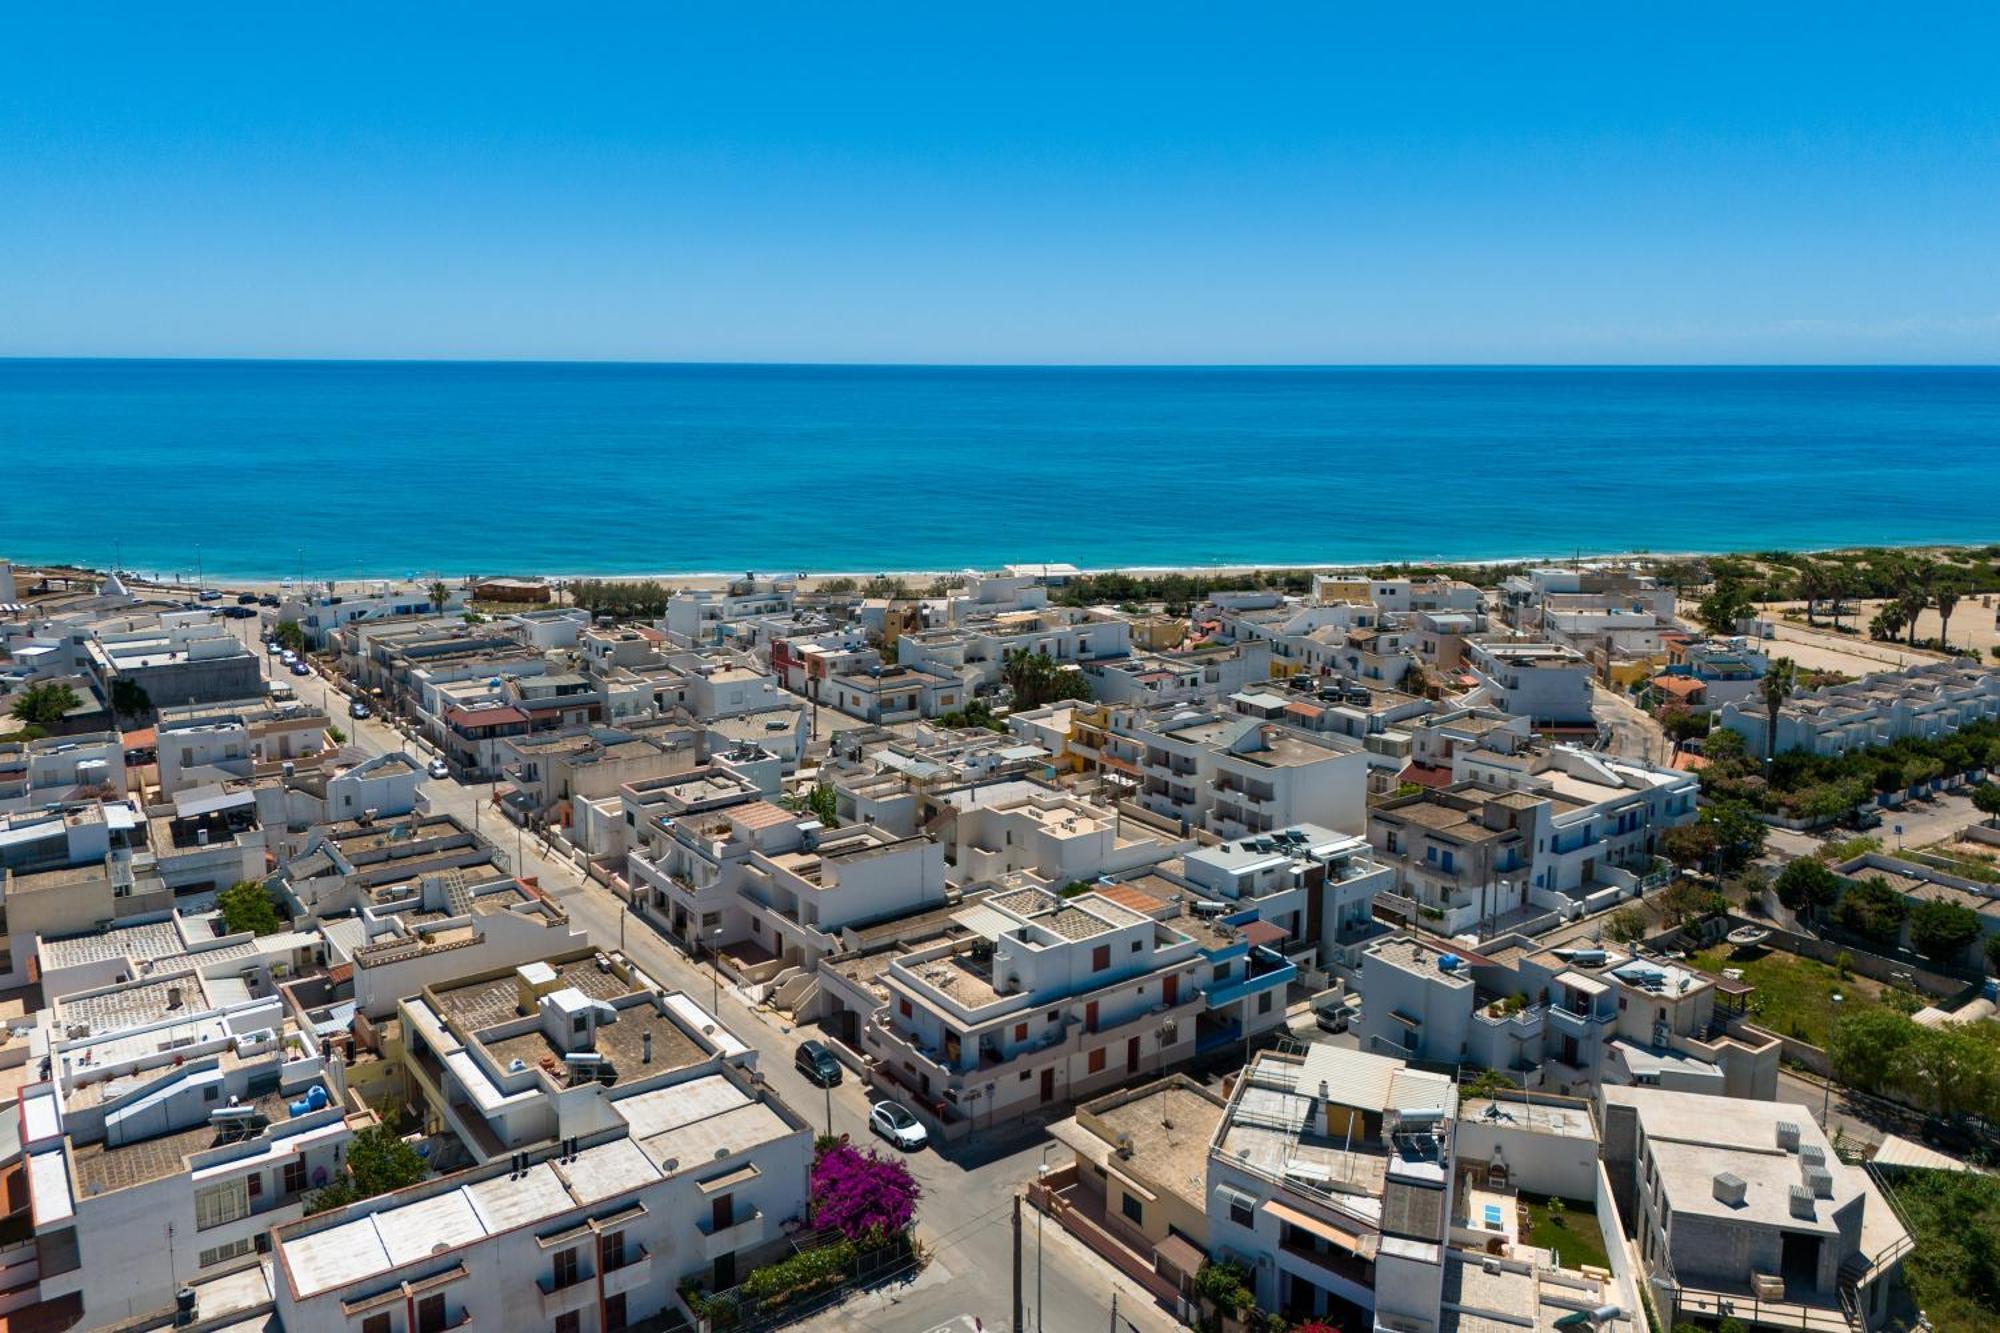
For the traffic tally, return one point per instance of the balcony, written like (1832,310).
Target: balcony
(746,1231)
(635,1272)
(579,1292)
(1268,971)
(1582,1026)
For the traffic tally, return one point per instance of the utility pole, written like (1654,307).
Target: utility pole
(1019,1325)
(827,1088)
(1114,1310)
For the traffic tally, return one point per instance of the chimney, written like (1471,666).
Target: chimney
(1729,1189)
(646,1049)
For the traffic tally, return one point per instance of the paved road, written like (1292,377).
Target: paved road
(966,1213)
(1634,733)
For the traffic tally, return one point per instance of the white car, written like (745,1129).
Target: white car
(440,770)
(893,1123)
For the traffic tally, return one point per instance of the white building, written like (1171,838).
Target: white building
(696,1180)
(1236,775)
(703,615)
(1051,1000)
(1743,1208)
(1928,701)
(234,739)
(1017,825)
(1549,684)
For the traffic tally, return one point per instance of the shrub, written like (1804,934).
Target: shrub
(245,906)
(860,1194)
(808,1270)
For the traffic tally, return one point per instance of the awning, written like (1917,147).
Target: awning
(211,800)
(1262,934)
(1179,1254)
(1361,1247)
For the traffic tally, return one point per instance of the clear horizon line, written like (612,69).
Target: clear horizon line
(753,364)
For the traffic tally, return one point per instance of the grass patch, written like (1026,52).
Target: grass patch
(1794,995)
(1954,1271)
(1570,1229)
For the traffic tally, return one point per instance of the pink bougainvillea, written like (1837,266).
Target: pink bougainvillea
(857,1193)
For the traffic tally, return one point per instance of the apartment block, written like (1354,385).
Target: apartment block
(1926,701)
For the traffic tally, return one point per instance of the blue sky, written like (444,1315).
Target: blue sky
(1020,183)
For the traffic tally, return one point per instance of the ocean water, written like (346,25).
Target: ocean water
(350,468)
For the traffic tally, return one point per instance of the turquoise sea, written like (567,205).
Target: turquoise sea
(348,468)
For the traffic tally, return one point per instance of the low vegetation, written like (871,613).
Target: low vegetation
(1951,1070)
(1794,996)
(1954,1272)
(1809,786)
(1567,1227)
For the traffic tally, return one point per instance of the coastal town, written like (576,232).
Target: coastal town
(1602,944)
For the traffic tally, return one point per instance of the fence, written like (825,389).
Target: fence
(733,1311)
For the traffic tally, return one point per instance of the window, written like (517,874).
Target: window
(1137,945)
(236,1249)
(611,1251)
(903,1007)
(1242,1212)
(1100,958)
(579,1023)
(1264,1003)
(430,1313)
(565,1268)
(1020,1032)
(375,1323)
(256,1183)
(1097,1060)
(1134,1210)
(219,1204)
(294,1177)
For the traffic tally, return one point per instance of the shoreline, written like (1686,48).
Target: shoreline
(810,580)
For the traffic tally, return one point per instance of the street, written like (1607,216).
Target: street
(965,1217)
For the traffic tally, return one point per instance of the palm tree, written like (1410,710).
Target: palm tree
(1947,595)
(1812,587)
(1777,684)
(1916,594)
(1888,622)
(440,594)
(1842,582)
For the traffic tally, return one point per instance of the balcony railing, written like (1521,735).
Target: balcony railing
(743,1232)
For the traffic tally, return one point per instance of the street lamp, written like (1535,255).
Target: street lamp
(1826,1104)
(715,965)
(1041,1177)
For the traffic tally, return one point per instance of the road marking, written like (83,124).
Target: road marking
(965,1323)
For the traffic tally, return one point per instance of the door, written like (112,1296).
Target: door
(1048,1085)
(722,1213)
(1170,990)
(1090,1017)
(1131,1055)
(430,1313)
(614,1312)
(724,1276)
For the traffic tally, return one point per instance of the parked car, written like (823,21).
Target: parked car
(271,646)
(246,599)
(1333,1017)
(897,1125)
(238,612)
(268,599)
(358,709)
(299,668)
(209,595)
(439,769)
(818,1063)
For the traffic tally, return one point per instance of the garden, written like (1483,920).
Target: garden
(1567,1227)
(1794,996)
(863,1207)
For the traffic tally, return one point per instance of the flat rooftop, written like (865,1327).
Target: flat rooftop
(623,1043)
(101,1169)
(491,1001)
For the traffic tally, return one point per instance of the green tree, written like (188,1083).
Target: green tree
(1993,954)
(1776,687)
(1949,590)
(129,698)
(1943,931)
(1986,800)
(1037,679)
(287,634)
(1625,925)
(1690,846)
(439,594)
(1807,887)
(824,804)
(1888,622)
(1868,1048)
(1874,910)
(1724,746)
(45,705)
(1813,585)
(245,906)
(1726,606)
(377,1162)
(1687,900)
(1739,834)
